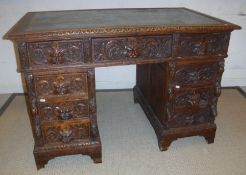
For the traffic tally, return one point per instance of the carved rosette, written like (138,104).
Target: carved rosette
(131,48)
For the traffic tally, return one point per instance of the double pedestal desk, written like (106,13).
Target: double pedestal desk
(180,60)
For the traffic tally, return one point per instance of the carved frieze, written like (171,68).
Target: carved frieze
(125,48)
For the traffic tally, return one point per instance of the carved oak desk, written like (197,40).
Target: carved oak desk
(180,60)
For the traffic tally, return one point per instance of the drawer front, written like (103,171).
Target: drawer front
(55,53)
(192,98)
(66,132)
(196,74)
(65,110)
(129,48)
(61,85)
(196,117)
(202,44)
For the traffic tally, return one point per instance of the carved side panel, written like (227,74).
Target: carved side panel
(63,110)
(56,52)
(67,132)
(124,48)
(201,44)
(33,112)
(74,84)
(23,56)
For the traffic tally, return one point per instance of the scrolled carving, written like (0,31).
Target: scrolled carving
(131,48)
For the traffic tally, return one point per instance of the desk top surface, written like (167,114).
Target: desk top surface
(74,22)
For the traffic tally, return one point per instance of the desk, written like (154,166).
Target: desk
(180,60)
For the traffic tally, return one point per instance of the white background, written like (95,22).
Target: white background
(123,76)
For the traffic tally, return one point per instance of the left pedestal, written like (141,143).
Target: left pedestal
(62,110)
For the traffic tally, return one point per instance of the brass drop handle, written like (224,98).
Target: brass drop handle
(65,134)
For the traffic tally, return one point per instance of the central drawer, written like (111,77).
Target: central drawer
(131,48)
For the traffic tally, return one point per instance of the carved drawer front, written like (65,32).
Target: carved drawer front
(202,44)
(192,98)
(55,53)
(66,132)
(129,48)
(61,85)
(65,110)
(182,119)
(196,74)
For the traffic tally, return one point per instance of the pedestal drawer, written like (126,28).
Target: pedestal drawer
(188,118)
(190,98)
(61,85)
(62,111)
(66,132)
(196,74)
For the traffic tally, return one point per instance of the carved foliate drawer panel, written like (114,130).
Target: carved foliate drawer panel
(65,110)
(61,85)
(125,48)
(188,99)
(55,53)
(182,119)
(201,44)
(66,132)
(196,74)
